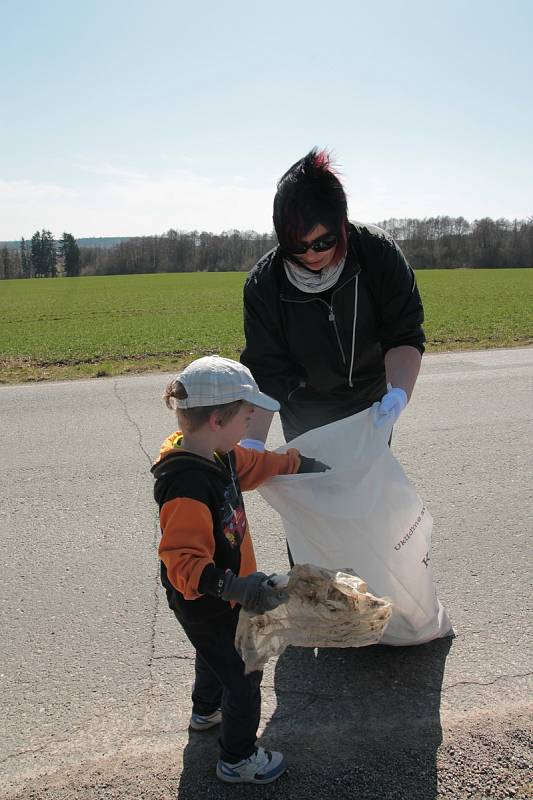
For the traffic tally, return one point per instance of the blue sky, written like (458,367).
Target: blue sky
(128,118)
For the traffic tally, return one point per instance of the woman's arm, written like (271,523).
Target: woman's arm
(266,353)
(402,365)
(399,307)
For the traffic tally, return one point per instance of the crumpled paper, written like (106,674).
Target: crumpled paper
(326,608)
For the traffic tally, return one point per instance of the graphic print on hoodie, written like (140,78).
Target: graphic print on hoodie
(233,515)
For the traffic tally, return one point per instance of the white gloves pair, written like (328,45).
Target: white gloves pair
(391,406)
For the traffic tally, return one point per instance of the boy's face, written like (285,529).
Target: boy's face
(233,431)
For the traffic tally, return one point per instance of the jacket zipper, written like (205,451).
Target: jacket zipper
(331,315)
(334,321)
(331,318)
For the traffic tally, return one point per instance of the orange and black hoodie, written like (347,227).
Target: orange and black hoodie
(204,530)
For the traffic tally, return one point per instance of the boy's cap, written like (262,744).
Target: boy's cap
(213,381)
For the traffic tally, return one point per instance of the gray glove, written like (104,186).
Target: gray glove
(319,467)
(311,465)
(255,593)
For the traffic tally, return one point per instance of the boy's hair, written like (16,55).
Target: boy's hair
(310,194)
(194,418)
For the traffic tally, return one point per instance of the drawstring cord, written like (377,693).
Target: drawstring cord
(350,383)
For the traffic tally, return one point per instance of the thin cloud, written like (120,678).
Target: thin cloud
(27,191)
(133,205)
(107,170)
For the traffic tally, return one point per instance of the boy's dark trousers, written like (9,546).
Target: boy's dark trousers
(221,683)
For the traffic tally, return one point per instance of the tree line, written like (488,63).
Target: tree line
(41,257)
(179,251)
(451,242)
(430,243)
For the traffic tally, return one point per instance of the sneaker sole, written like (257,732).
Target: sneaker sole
(272,777)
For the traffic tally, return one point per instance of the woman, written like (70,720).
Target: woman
(332,316)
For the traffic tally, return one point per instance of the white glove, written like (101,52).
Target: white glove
(253,444)
(391,406)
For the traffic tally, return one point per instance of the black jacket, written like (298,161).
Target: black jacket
(301,347)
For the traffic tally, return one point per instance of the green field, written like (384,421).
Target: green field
(82,327)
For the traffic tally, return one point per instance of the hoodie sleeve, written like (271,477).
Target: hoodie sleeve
(187,544)
(254,468)
(400,308)
(266,353)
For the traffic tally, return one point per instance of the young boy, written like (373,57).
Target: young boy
(208,565)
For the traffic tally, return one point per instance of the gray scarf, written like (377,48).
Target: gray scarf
(312,282)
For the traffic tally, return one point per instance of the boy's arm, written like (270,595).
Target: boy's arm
(187,545)
(187,548)
(254,468)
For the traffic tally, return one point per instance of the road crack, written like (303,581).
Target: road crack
(173,657)
(132,422)
(486,683)
(155,544)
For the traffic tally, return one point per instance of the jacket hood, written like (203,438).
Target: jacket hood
(172,461)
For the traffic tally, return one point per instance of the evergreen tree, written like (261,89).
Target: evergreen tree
(49,254)
(25,260)
(36,259)
(70,253)
(43,256)
(5,263)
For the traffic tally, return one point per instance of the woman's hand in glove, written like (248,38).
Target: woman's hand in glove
(391,406)
(256,593)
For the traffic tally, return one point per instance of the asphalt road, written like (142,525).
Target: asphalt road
(95,673)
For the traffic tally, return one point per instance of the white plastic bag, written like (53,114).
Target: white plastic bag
(324,609)
(363,515)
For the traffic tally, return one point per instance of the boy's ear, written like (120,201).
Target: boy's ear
(214,421)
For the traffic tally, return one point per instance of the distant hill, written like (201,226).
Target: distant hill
(103,241)
(98,241)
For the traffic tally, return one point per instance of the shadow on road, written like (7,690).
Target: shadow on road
(359,723)
(367,719)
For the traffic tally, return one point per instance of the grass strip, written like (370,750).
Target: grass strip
(53,329)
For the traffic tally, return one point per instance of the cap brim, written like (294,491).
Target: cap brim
(263,401)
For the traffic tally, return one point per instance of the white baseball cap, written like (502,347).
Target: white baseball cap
(213,381)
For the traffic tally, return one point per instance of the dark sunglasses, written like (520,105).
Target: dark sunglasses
(319,245)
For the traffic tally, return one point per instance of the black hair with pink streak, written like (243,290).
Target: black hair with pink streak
(310,194)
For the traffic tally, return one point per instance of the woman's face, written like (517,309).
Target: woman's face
(311,259)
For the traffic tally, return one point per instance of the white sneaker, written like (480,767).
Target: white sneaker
(198,722)
(263,766)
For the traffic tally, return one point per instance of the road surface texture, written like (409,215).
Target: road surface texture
(96,674)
